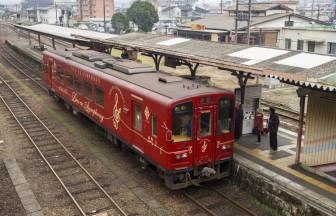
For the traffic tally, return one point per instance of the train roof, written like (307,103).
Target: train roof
(139,74)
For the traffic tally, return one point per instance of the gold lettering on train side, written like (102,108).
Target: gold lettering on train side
(204,146)
(63,90)
(116,112)
(87,107)
(147,113)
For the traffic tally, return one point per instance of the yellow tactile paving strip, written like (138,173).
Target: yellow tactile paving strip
(283,163)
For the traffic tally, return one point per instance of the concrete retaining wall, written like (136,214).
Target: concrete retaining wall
(279,193)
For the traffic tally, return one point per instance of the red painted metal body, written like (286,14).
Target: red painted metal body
(181,160)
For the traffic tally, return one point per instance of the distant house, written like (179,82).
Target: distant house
(181,13)
(317,39)
(266,23)
(172,14)
(48,15)
(259,9)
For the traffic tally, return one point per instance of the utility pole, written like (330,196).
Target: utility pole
(90,8)
(56,13)
(104,16)
(248,23)
(312,9)
(81,10)
(36,11)
(221,6)
(236,22)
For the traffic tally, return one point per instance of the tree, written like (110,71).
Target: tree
(119,22)
(143,14)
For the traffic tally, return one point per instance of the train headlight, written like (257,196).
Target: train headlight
(226,147)
(181,156)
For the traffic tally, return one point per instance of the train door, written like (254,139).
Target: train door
(204,149)
(47,72)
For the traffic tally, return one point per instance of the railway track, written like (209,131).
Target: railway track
(214,202)
(27,72)
(88,196)
(282,111)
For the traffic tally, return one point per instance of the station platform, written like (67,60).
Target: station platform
(280,168)
(26,49)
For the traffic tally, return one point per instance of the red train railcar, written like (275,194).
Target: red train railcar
(183,128)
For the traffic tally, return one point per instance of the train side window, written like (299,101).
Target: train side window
(99,94)
(182,122)
(137,117)
(78,84)
(225,115)
(87,89)
(60,74)
(70,82)
(154,125)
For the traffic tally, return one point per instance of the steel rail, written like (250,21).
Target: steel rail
(198,203)
(248,211)
(64,148)
(21,70)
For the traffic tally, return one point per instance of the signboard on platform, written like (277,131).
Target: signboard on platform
(251,104)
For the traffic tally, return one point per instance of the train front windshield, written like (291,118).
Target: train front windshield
(182,122)
(225,115)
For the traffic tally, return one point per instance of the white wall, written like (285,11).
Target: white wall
(50,16)
(307,34)
(280,22)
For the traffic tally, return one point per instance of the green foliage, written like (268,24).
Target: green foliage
(143,14)
(119,22)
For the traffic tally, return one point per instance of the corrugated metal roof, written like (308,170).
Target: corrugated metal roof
(307,71)
(64,32)
(226,22)
(259,7)
(260,61)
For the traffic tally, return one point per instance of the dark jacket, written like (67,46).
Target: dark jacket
(273,123)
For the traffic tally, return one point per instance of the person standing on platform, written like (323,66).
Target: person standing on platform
(239,121)
(259,124)
(273,125)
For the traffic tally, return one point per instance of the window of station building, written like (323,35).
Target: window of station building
(70,82)
(87,89)
(60,74)
(78,84)
(99,94)
(154,125)
(288,43)
(137,117)
(182,126)
(311,46)
(331,48)
(300,44)
(225,115)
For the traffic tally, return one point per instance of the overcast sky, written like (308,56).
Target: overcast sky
(118,2)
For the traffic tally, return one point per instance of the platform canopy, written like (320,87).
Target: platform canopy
(292,67)
(309,70)
(64,32)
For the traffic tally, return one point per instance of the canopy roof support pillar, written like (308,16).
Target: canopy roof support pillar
(29,38)
(157,60)
(302,93)
(53,43)
(193,68)
(242,81)
(39,40)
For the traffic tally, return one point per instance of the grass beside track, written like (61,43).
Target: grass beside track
(41,101)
